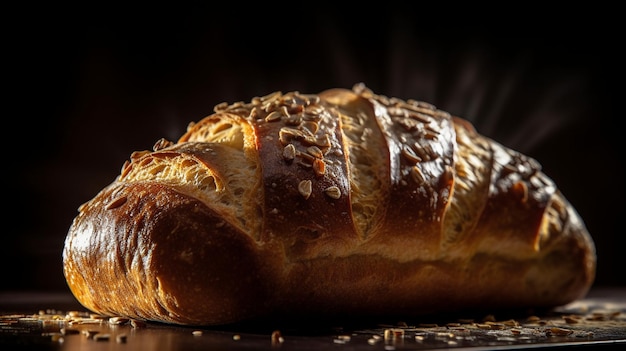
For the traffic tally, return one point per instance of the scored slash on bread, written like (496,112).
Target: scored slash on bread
(339,203)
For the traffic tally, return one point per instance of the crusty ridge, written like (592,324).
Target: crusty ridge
(215,156)
(472,164)
(240,164)
(419,140)
(369,170)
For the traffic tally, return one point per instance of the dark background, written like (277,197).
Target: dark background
(85,88)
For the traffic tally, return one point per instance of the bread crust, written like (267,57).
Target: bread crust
(342,203)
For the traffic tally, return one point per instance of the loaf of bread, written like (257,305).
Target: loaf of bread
(342,203)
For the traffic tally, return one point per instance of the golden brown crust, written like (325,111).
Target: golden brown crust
(163,255)
(346,202)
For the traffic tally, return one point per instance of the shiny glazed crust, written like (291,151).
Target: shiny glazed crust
(340,203)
